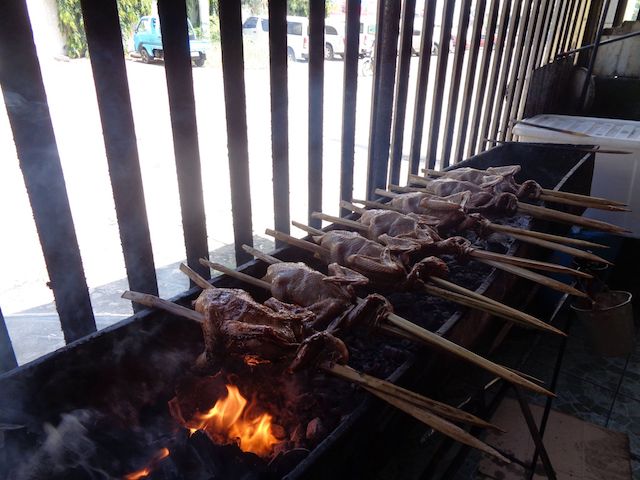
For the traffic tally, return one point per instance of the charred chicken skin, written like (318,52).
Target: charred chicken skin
(235,324)
(498,180)
(376,261)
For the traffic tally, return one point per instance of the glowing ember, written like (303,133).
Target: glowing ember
(162,453)
(228,422)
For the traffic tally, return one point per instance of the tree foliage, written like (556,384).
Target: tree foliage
(72,28)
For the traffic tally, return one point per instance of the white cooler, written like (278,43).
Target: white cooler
(615,176)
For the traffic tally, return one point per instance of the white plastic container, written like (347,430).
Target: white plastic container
(615,176)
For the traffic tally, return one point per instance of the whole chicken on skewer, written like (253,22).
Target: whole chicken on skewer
(411,237)
(502,179)
(323,350)
(387,273)
(448,216)
(486,200)
(291,281)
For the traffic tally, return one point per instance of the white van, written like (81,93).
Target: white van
(334,39)
(297,38)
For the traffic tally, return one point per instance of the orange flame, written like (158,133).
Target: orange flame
(143,472)
(228,422)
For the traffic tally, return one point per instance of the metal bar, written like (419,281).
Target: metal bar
(441,77)
(482,79)
(236,113)
(535,435)
(594,53)
(349,100)
(516,27)
(552,387)
(522,88)
(182,108)
(454,83)
(279,115)
(375,97)
(422,85)
(557,45)
(476,37)
(604,42)
(102,27)
(590,29)
(541,44)
(619,15)
(28,112)
(316,99)
(548,43)
(566,39)
(385,64)
(402,89)
(557,30)
(495,69)
(519,64)
(577,34)
(7,355)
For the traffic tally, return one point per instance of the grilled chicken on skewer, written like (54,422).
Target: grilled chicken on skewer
(506,203)
(387,273)
(291,281)
(502,179)
(448,216)
(405,400)
(407,235)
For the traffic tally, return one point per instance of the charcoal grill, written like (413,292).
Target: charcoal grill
(136,363)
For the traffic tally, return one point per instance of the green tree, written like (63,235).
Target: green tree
(72,27)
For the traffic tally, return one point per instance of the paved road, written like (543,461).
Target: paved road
(24,297)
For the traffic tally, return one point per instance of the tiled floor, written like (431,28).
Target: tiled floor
(604,391)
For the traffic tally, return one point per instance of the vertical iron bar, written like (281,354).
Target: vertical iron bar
(566,26)
(618,18)
(349,100)
(316,100)
(454,84)
(236,112)
(182,108)
(7,355)
(495,68)
(557,31)
(402,89)
(482,79)
(563,24)
(441,77)
(544,37)
(385,65)
(509,61)
(529,13)
(422,85)
(590,30)
(476,37)
(594,53)
(279,115)
(523,79)
(102,27)
(581,26)
(548,39)
(568,32)
(575,30)
(375,97)
(28,112)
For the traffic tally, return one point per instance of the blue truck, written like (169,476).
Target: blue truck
(147,41)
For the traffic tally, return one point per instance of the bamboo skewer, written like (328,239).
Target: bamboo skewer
(406,401)
(414,332)
(576,197)
(372,383)
(475,253)
(563,217)
(494,308)
(499,228)
(581,203)
(545,214)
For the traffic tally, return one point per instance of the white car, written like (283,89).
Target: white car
(334,39)
(297,38)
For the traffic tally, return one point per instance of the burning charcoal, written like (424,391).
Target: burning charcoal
(278,431)
(315,430)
